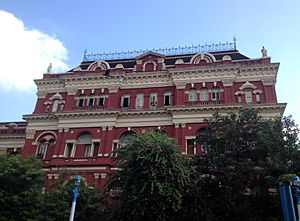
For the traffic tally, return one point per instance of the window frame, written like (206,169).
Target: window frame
(167,94)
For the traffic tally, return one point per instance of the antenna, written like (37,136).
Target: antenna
(234,42)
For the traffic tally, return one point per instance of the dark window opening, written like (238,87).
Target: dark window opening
(80,102)
(126,102)
(101,101)
(167,100)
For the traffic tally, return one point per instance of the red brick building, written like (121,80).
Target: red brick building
(82,115)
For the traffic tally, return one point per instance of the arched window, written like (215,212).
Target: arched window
(192,95)
(204,94)
(43,144)
(42,150)
(139,103)
(122,142)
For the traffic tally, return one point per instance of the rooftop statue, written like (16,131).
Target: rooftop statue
(264,52)
(49,68)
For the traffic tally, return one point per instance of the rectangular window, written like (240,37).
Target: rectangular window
(69,151)
(91,101)
(139,104)
(88,152)
(114,148)
(215,94)
(167,100)
(80,102)
(153,100)
(96,148)
(192,95)
(101,101)
(258,98)
(125,101)
(190,146)
(248,96)
(204,95)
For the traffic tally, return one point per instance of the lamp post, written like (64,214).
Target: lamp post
(296,182)
(75,195)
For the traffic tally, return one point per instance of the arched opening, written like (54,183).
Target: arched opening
(44,142)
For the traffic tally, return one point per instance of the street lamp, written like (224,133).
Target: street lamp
(75,195)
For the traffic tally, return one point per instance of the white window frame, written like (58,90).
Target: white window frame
(186,142)
(192,95)
(257,97)
(204,95)
(55,106)
(122,101)
(72,153)
(115,146)
(100,97)
(153,100)
(170,98)
(139,101)
(44,149)
(90,148)
(78,101)
(215,94)
(248,97)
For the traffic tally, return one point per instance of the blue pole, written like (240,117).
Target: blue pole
(75,195)
(296,182)
(287,201)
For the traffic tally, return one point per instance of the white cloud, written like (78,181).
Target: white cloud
(26,53)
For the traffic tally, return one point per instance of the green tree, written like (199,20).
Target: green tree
(21,182)
(153,176)
(58,199)
(245,157)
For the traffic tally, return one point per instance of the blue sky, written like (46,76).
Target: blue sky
(61,30)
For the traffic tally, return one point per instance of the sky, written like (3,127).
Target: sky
(34,33)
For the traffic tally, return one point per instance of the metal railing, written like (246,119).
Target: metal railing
(218,47)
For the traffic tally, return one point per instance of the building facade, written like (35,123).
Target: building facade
(82,115)
(12,137)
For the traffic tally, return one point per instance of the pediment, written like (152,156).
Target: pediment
(56,96)
(149,54)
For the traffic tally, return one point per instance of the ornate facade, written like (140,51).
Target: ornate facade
(82,115)
(12,137)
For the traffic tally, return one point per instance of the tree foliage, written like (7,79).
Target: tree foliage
(238,175)
(153,176)
(89,205)
(21,184)
(22,197)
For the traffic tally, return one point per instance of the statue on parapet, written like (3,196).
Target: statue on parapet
(264,52)
(49,69)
